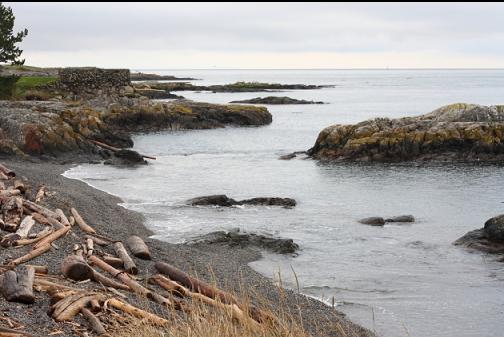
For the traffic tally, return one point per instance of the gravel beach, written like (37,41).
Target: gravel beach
(228,265)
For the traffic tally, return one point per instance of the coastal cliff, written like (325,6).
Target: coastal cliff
(453,132)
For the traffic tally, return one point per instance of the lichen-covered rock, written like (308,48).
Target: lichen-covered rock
(57,127)
(454,132)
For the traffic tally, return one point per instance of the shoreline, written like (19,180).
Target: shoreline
(229,266)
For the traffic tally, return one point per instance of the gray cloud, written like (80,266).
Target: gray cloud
(263,27)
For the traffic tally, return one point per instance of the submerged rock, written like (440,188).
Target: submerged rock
(489,239)
(373,221)
(276,100)
(401,218)
(454,132)
(236,238)
(224,201)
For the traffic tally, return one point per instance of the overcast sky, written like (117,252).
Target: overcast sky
(262,35)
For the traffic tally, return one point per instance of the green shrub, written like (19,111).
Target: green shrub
(7,85)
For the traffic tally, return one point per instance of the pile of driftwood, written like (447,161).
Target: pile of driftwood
(91,282)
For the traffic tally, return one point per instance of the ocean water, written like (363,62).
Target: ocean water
(399,280)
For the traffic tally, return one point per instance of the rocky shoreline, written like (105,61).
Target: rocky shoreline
(228,263)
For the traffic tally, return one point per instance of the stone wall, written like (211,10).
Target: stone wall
(90,78)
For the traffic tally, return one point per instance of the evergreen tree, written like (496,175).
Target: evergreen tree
(8,50)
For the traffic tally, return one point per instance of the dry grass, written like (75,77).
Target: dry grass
(203,320)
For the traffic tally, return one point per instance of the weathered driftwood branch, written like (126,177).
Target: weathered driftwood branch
(89,246)
(76,268)
(7,332)
(94,323)
(3,176)
(17,286)
(132,284)
(121,252)
(38,237)
(115,149)
(63,219)
(235,311)
(21,233)
(67,308)
(40,209)
(113,261)
(81,223)
(107,282)
(40,193)
(9,193)
(52,237)
(31,255)
(194,284)
(12,210)
(134,311)
(7,172)
(19,185)
(138,247)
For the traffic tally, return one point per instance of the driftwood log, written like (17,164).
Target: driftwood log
(121,252)
(52,237)
(94,323)
(138,247)
(17,286)
(134,311)
(132,284)
(21,233)
(76,268)
(40,193)
(19,185)
(31,255)
(40,209)
(9,173)
(81,223)
(114,261)
(63,219)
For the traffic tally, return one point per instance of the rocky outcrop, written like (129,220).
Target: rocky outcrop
(155,77)
(147,116)
(55,128)
(489,239)
(224,201)
(234,87)
(276,100)
(453,132)
(401,218)
(236,238)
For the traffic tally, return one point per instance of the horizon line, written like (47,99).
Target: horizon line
(469,68)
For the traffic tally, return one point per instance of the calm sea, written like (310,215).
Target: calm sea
(399,280)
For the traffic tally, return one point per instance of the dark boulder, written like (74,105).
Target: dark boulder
(241,239)
(494,228)
(224,201)
(125,158)
(489,239)
(401,218)
(373,221)
(284,202)
(212,200)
